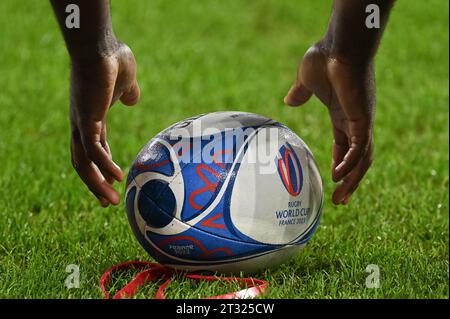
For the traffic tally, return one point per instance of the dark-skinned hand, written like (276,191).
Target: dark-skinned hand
(348,91)
(95,86)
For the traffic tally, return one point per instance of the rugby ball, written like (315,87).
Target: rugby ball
(228,191)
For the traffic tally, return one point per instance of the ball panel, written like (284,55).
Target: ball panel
(138,230)
(196,246)
(251,264)
(154,157)
(156,203)
(266,206)
(203,182)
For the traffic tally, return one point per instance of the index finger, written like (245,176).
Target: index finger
(91,176)
(93,137)
(351,182)
(359,137)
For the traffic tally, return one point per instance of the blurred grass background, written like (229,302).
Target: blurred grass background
(209,55)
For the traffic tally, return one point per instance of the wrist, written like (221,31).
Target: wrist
(354,59)
(93,49)
(333,51)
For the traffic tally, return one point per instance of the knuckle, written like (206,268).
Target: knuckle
(75,135)
(90,151)
(341,142)
(369,159)
(75,163)
(346,183)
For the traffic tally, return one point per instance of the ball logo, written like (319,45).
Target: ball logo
(289,169)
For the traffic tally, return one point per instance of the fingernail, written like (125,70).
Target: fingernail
(115,200)
(346,200)
(288,101)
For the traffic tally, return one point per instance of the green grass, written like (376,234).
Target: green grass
(203,56)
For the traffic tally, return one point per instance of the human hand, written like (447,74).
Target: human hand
(348,91)
(95,86)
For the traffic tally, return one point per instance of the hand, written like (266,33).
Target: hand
(95,86)
(348,91)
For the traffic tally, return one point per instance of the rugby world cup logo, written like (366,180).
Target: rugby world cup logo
(289,169)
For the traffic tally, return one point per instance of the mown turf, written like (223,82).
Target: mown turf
(203,56)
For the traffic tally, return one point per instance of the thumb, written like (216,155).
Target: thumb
(297,95)
(131,97)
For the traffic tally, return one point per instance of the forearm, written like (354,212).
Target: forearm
(95,37)
(348,37)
